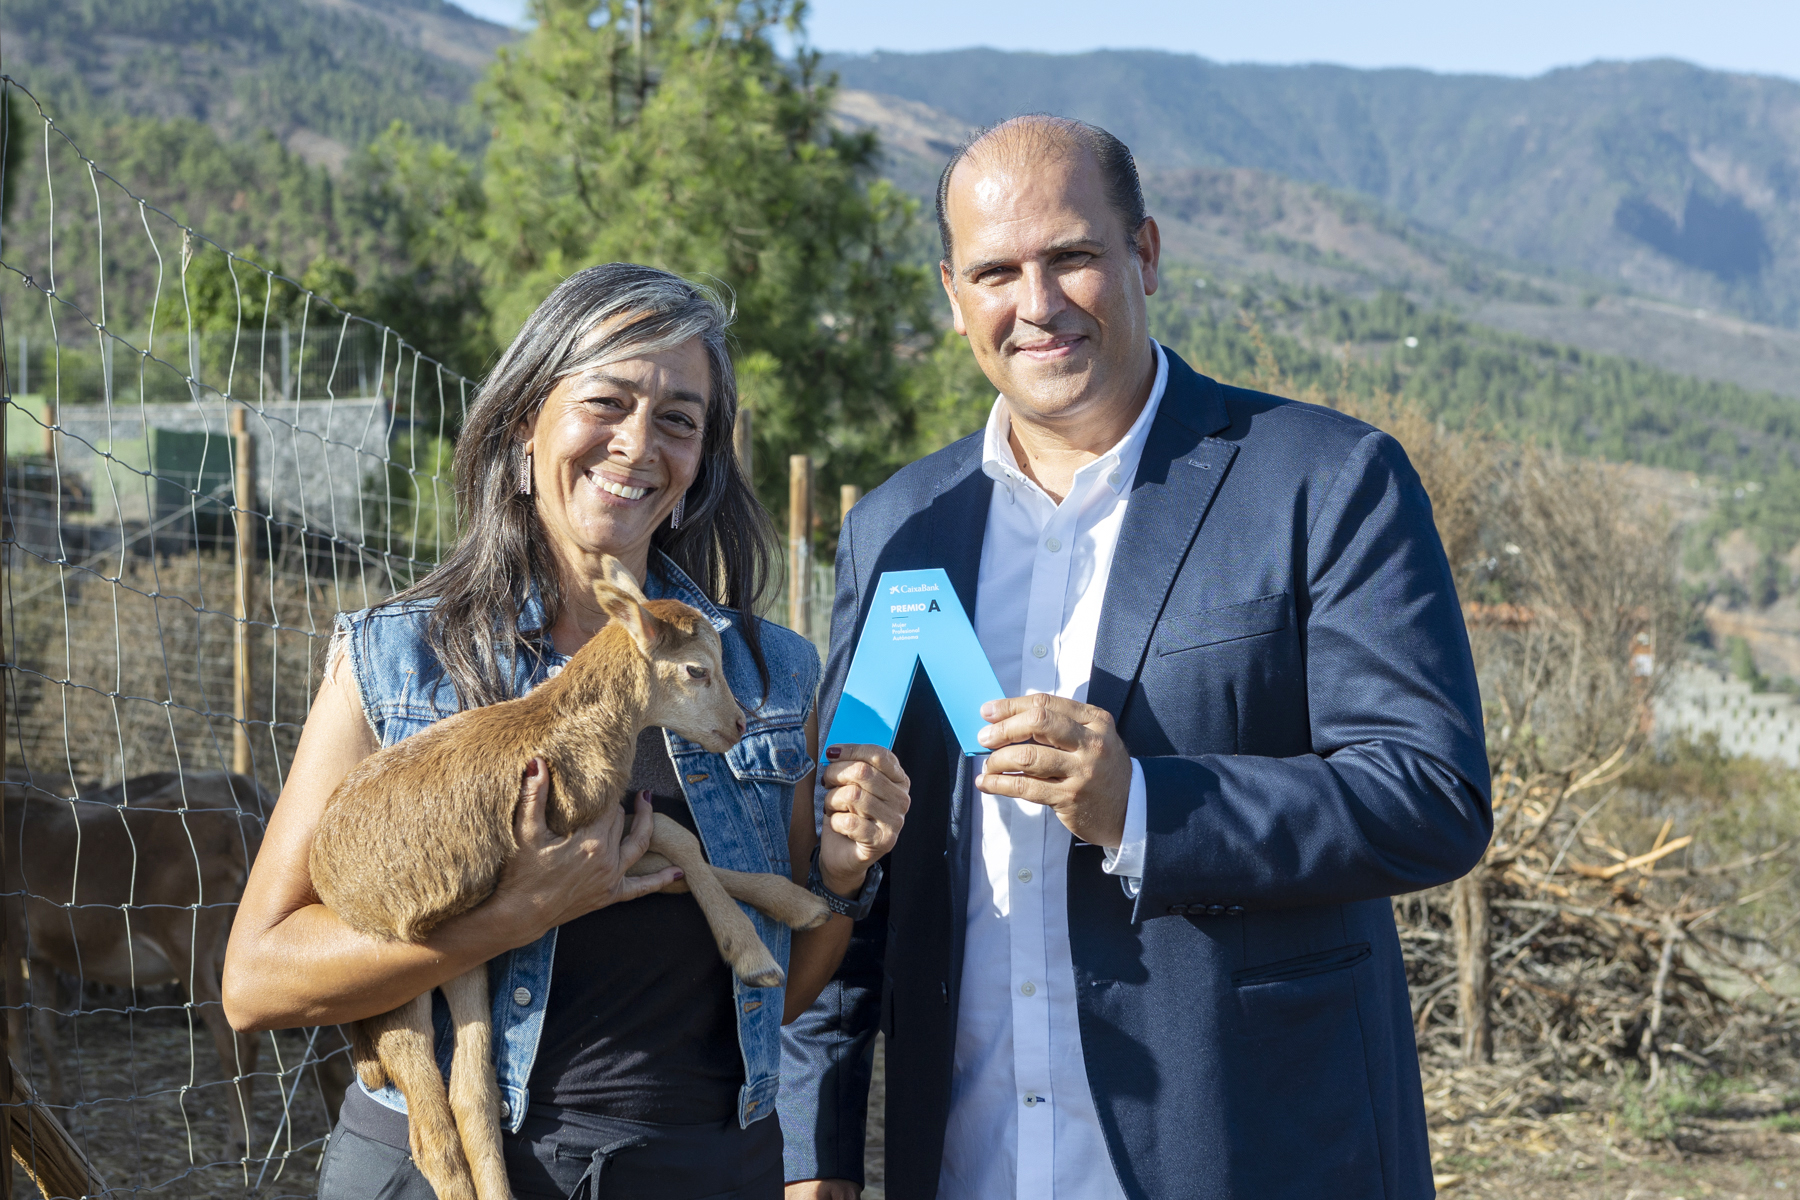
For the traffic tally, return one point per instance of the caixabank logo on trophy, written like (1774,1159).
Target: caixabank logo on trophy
(918,628)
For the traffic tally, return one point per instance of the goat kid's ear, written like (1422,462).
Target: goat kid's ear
(644,628)
(614,572)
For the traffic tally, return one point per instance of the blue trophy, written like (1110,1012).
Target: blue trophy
(915,623)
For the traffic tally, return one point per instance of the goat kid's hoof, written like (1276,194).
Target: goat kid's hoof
(758,968)
(768,977)
(814,915)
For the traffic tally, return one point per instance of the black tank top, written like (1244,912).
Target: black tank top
(640,1021)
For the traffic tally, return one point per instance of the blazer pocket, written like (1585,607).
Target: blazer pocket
(1289,969)
(1265,614)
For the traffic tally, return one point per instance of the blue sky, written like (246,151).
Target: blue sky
(1516,37)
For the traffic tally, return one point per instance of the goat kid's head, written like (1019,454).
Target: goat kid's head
(688,691)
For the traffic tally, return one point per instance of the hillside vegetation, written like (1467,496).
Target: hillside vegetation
(1468,375)
(1660,175)
(1306,286)
(324,77)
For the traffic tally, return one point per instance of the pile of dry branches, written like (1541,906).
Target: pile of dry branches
(1630,920)
(1594,968)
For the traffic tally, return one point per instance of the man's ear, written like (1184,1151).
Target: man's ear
(615,573)
(644,629)
(1149,254)
(949,282)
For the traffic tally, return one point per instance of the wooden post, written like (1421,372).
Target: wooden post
(848,495)
(800,519)
(44,1148)
(740,442)
(6,989)
(244,552)
(1471,937)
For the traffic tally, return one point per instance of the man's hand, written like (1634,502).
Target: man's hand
(823,1189)
(1051,750)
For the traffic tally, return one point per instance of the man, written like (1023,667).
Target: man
(1146,949)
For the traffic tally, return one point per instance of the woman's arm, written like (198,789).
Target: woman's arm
(292,962)
(867,795)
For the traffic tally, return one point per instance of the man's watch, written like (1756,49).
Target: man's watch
(855,909)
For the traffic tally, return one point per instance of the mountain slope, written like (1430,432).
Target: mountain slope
(1242,224)
(1666,177)
(324,75)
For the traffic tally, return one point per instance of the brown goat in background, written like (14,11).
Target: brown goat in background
(419,832)
(105,886)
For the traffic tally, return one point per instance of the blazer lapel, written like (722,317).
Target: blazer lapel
(1177,477)
(957,529)
(959,524)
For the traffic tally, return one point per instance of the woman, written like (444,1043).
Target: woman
(631,1063)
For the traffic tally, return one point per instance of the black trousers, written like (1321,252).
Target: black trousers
(560,1154)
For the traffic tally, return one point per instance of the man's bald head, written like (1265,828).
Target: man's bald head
(1040,137)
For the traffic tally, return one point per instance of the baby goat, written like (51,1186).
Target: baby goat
(419,832)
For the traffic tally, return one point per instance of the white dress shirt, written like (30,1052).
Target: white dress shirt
(1022,1121)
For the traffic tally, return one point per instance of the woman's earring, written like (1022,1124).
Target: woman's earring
(675,517)
(525,476)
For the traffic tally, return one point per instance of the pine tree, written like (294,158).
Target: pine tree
(673,133)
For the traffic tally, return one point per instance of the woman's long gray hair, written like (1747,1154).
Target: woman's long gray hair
(726,541)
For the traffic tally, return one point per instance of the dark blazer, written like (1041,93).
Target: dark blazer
(1282,648)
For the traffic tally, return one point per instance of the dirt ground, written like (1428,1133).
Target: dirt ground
(1577,1157)
(1738,1149)
(1487,1140)
(168,1143)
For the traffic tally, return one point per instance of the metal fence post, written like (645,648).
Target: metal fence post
(6,1077)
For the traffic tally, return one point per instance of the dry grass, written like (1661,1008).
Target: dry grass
(1505,1131)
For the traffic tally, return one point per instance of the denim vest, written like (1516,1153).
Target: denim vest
(742,802)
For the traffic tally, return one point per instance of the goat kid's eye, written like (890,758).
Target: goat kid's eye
(696,672)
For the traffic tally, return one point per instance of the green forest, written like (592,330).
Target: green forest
(1463,374)
(691,143)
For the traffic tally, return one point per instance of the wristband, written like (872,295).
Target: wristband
(855,909)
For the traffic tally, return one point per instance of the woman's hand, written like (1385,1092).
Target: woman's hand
(549,880)
(866,798)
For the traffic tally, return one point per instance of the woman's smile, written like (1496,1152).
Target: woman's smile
(624,490)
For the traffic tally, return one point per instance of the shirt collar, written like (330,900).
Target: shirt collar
(1116,467)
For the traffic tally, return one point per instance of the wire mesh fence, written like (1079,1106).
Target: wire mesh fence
(204,463)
